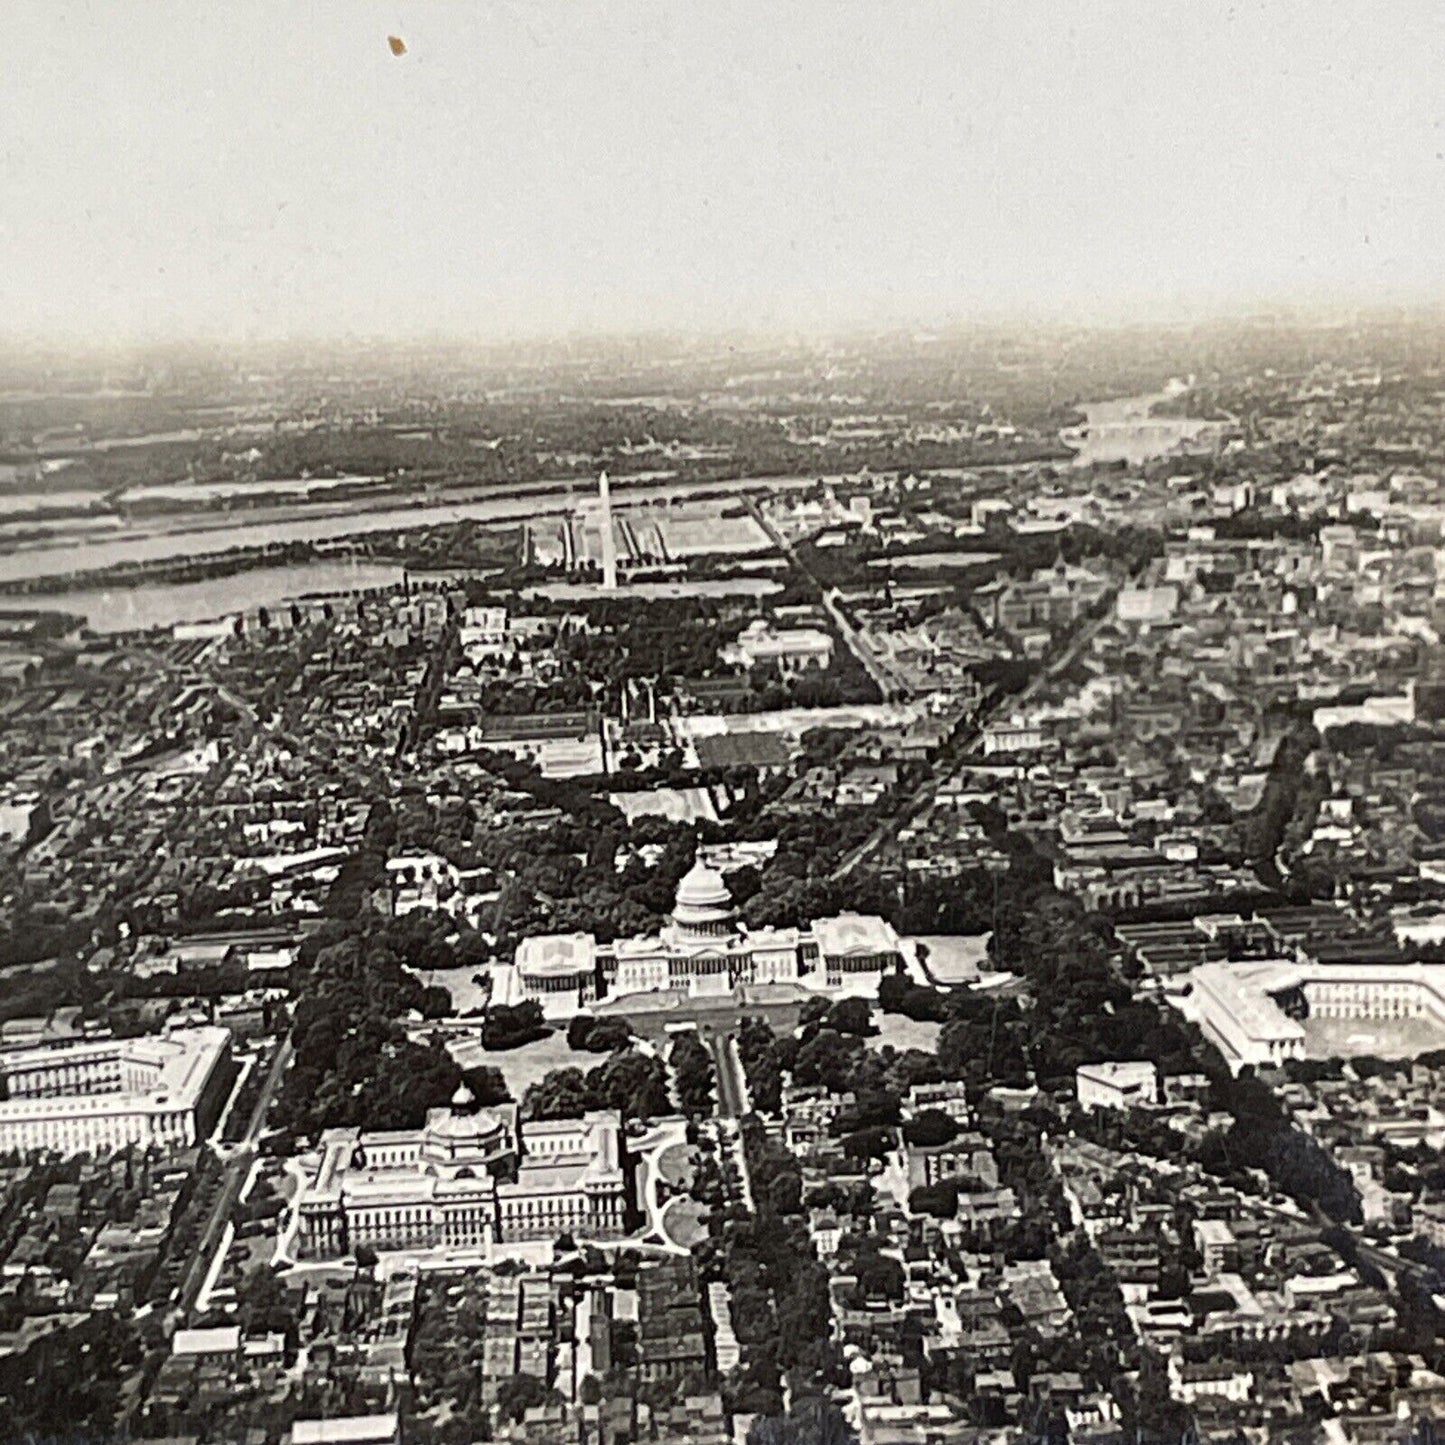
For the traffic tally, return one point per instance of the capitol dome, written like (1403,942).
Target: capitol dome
(704,904)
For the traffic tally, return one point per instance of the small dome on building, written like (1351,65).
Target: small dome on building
(480,1129)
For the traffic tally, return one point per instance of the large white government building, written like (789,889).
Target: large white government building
(104,1094)
(467,1179)
(704,950)
(1255,1011)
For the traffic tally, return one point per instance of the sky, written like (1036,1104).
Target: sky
(264,170)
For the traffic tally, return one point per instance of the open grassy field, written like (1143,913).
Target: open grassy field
(904,1033)
(956,958)
(1377,1038)
(525,1066)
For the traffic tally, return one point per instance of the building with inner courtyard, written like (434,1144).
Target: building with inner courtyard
(1262,1012)
(93,1095)
(467,1179)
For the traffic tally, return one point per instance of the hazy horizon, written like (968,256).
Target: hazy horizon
(526,172)
(917,331)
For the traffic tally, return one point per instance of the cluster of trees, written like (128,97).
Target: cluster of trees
(34,932)
(987,1041)
(843,682)
(520,1393)
(873,1141)
(633,1083)
(590,874)
(1252,524)
(856,1198)
(1014,1139)
(823,1056)
(263,1305)
(851,1016)
(898,994)
(795,886)
(364,451)
(1103,1335)
(971,901)
(208,907)
(473,546)
(450,828)
(488,1085)
(1262,1136)
(762,1067)
(655,639)
(364,870)
(512,1026)
(812,1420)
(1101,1342)
(964,904)
(839,1059)
(354,1063)
(207,981)
(665,642)
(587,1034)
(263,1204)
(40,990)
(931,1129)
(446,1354)
(999,675)
(425,823)
(693,1074)
(1286,795)
(193,1204)
(940,1199)
(1082,1010)
(879,1277)
(780,1299)
(1020,553)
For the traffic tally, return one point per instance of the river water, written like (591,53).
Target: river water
(163,604)
(1115,430)
(144,604)
(156,541)
(1124,430)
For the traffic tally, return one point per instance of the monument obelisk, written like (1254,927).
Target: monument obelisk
(609,543)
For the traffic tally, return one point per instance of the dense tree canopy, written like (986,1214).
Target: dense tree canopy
(633,1083)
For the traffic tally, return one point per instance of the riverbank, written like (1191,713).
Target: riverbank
(165,603)
(118,557)
(1127,429)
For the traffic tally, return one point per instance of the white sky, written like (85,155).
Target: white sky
(272,169)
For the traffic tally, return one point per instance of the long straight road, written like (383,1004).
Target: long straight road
(731,1092)
(238,1167)
(963,745)
(279,1064)
(890,683)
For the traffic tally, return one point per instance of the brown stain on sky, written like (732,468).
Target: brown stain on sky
(398,45)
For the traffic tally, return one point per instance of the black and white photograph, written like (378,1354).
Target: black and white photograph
(722,722)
